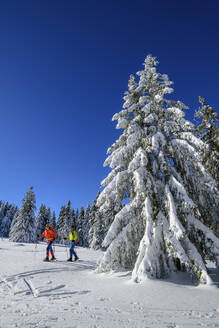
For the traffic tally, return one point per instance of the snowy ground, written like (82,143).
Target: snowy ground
(72,295)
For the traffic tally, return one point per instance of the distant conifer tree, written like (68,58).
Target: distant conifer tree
(41,219)
(86,226)
(24,227)
(80,226)
(7,214)
(64,223)
(53,220)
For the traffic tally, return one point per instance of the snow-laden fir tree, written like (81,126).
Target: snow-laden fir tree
(157,168)
(53,220)
(73,218)
(4,207)
(14,221)
(75,222)
(208,131)
(11,213)
(86,226)
(64,223)
(98,230)
(93,211)
(24,228)
(7,213)
(80,222)
(48,214)
(41,219)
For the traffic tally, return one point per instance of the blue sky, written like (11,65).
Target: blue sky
(64,68)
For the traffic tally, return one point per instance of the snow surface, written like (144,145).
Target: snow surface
(70,295)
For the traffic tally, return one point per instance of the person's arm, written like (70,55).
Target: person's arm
(42,235)
(75,236)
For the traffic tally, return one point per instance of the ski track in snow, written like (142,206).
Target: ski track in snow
(71,295)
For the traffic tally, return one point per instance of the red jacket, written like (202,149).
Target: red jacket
(50,234)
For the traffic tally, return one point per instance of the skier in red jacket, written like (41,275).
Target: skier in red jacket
(50,236)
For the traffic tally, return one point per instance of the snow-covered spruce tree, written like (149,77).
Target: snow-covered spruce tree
(7,213)
(92,217)
(99,230)
(14,221)
(4,207)
(53,220)
(24,228)
(41,219)
(208,131)
(64,223)
(160,229)
(61,225)
(76,218)
(80,223)
(48,214)
(73,221)
(86,226)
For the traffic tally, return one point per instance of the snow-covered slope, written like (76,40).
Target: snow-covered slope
(71,295)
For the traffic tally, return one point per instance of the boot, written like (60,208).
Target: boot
(70,259)
(53,258)
(76,258)
(46,259)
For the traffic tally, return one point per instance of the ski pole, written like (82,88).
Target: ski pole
(35,250)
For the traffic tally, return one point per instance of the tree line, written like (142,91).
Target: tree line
(23,225)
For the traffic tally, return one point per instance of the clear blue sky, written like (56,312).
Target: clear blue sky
(64,67)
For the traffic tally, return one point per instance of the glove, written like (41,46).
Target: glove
(65,238)
(38,236)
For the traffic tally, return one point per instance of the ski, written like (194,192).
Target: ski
(31,287)
(50,260)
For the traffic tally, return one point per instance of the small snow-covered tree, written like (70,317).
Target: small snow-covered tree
(24,228)
(157,171)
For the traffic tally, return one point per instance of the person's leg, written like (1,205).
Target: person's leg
(51,250)
(47,250)
(73,250)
